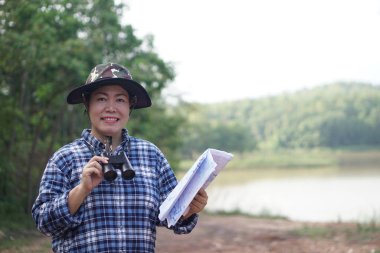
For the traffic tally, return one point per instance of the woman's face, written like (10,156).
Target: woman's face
(108,111)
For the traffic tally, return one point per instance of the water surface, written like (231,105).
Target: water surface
(336,198)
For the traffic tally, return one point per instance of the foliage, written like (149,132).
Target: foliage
(334,115)
(162,128)
(207,129)
(264,214)
(371,226)
(47,48)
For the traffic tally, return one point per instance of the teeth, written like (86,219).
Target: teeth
(110,119)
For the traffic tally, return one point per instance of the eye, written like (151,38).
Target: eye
(121,100)
(101,99)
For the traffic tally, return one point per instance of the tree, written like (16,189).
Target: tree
(333,115)
(208,131)
(48,47)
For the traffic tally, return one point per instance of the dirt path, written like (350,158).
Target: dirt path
(239,234)
(232,234)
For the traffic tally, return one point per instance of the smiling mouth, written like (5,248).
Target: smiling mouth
(110,119)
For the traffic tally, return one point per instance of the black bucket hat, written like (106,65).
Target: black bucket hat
(111,74)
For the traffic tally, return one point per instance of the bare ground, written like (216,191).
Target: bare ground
(240,234)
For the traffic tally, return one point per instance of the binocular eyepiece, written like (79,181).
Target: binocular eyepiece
(119,161)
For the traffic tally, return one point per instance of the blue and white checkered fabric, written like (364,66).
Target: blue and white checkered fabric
(118,216)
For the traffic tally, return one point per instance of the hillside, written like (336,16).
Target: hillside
(334,115)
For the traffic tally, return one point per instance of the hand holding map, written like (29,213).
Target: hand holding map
(200,175)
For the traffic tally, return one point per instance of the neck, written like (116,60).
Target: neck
(116,139)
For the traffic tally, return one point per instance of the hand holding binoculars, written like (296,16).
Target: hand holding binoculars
(119,161)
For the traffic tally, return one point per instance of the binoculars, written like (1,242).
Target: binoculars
(119,161)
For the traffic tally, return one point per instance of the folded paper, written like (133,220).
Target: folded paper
(200,175)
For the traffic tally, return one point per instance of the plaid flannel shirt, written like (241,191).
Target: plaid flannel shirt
(118,216)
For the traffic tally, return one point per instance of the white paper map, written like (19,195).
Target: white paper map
(201,174)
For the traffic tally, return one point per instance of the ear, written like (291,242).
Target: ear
(133,102)
(86,109)
(86,99)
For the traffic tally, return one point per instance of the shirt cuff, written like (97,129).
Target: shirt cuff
(72,220)
(185,226)
(185,222)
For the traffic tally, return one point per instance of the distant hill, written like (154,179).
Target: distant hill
(333,115)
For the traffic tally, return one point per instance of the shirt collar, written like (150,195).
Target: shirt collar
(97,145)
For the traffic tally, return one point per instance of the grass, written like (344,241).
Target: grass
(314,232)
(15,222)
(372,226)
(301,158)
(264,214)
(18,239)
(360,231)
(354,231)
(17,231)
(231,176)
(293,163)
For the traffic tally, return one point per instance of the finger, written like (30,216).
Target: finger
(92,170)
(199,202)
(195,204)
(100,159)
(196,208)
(98,172)
(97,165)
(201,198)
(202,195)
(202,192)
(96,162)
(93,164)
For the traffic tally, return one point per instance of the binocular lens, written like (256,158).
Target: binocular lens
(128,174)
(120,162)
(109,173)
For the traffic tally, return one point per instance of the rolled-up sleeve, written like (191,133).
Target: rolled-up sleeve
(50,210)
(186,226)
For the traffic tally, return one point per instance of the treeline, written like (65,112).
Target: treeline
(334,115)
(47,48)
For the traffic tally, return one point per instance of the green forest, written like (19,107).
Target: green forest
(330,116)
(48,47)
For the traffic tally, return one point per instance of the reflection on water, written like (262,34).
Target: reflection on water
(303,199)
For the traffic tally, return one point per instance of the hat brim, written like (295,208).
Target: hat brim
(133,88)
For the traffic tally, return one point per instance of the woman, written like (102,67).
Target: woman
(82,211)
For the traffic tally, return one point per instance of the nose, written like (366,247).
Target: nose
(110,106)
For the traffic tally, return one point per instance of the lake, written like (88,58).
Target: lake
(317,199)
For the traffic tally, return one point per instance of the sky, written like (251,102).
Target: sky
(227,50)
